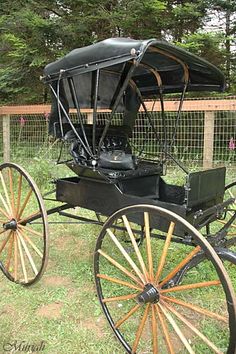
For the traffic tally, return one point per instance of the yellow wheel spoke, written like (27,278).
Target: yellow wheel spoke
(4,213)
(194,329)
(3,231)
(154,331)
(164,251)
(165,331)
(8,212)
(32,244)
(26,219)
(25,203)
(127,257)
(9,253)
(196,308)
(119,281)
(231,194)
(148,246)
(22,261)
(19,194)
(119,266)
(191,286)
(15,257)
(12,192)
(180,265)
(8,204)
(120,298)
(176,328)
(33,266)
(29,230)
(134,243)
(5,242)
(140,329)
(224,222)
(127,316)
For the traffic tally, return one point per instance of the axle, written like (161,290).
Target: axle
(149,294)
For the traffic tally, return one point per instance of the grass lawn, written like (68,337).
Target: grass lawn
(62,308)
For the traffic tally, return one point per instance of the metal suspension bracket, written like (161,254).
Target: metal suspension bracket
(204,217)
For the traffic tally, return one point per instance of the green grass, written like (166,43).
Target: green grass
(61,309)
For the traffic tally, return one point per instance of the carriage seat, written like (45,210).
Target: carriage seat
(115,151)
(143,168)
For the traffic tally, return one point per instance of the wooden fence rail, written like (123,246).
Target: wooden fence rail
(208,106)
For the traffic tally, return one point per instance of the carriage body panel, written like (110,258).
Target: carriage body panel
(202,191)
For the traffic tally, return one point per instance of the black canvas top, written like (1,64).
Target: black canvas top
(168,60)
(158,66)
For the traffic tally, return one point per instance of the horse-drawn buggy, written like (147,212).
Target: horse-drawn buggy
(160,259)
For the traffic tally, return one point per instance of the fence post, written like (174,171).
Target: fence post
(90,118)
(6,137)
(209,123)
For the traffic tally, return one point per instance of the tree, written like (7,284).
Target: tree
(185,17)
(224,13)
(34,33)
(27,41)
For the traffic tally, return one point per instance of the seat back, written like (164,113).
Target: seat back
(115,149)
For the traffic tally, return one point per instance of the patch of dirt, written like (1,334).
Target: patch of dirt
(73,246)
(63,243)
(51,264)
(96,326)
(56,281)
(9,311)
(51,311)
(72,294)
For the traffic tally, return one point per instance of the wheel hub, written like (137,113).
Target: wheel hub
(149,295)
(10,225)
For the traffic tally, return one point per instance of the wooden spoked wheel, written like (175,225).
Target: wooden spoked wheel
(228,255)
(230,192)
(226,249)
(151,312)
(24,228)
(222,221)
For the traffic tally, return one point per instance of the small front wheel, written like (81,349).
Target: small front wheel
(148,310)
(24,227)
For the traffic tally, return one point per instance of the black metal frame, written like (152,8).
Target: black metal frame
(128,69)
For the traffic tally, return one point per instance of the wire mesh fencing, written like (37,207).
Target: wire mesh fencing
(204,133)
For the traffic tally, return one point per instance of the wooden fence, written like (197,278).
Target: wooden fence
(209,107)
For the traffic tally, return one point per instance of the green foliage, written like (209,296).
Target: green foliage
(208,45)
(34,33)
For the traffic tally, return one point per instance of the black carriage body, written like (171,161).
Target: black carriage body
(93,190)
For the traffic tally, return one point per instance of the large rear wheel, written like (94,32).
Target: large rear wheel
(225,225)
(148,310)
(230,192)
(24,227)
(226,219)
